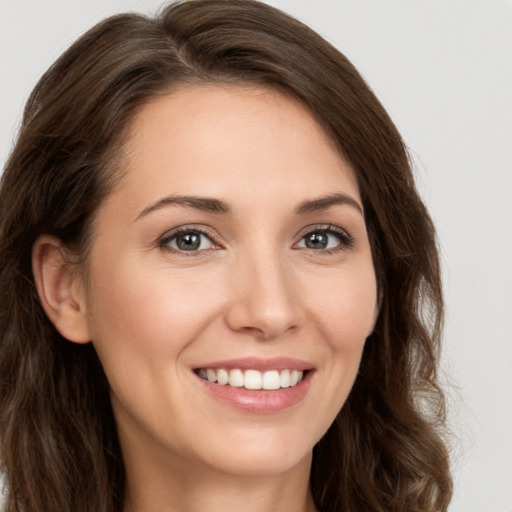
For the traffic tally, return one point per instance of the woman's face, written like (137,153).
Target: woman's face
(234,249)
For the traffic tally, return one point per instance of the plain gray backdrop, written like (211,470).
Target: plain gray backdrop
(443,70)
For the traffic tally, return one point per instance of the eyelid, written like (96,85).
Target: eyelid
(346,240)
(166,237)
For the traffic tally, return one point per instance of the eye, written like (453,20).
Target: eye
(187,240)
(325,239)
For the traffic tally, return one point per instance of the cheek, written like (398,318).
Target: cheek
(343,315)
(346,308)
(152,312)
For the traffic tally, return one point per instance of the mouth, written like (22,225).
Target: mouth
(257,385)
(269,380)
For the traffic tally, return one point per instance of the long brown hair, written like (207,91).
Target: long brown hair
(59,447)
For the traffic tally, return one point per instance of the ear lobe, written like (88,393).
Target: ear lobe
(59,288)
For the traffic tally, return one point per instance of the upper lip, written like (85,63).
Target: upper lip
(261,364)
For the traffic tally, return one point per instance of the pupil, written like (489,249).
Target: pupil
(189,242)
(317,241)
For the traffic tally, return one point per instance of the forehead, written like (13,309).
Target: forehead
(217,140)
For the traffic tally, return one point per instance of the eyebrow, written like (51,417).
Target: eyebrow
(205,204)
(212,205)
(323,203)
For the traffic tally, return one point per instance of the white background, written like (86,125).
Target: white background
(443,69)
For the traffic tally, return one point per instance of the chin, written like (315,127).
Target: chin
(263,452)
(261,463)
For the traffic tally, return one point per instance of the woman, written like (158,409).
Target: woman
(220,288)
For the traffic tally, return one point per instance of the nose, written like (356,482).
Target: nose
(264,301)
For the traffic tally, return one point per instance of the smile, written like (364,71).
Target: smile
(252,379)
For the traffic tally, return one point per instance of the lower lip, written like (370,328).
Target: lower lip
(259,401)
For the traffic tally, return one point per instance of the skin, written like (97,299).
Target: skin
(253,288)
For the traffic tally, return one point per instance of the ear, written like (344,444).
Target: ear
(60,289)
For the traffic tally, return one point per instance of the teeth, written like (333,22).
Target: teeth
(285,379)
(236,378)
(271,380)
(222,377)
(253,379)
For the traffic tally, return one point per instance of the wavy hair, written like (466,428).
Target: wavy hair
(59,446)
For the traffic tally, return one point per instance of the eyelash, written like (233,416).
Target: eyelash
(167,238)
(345,240)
